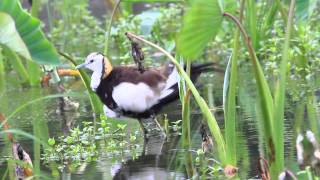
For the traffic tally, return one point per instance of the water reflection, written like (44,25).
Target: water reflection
(153,164)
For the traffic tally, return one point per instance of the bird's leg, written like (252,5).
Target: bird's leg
(153,117)
(144,130)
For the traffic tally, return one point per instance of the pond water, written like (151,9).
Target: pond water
(156,159)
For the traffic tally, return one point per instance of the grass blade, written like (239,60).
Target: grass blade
(230,106)
(280,95)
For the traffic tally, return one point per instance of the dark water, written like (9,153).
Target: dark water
(156,159)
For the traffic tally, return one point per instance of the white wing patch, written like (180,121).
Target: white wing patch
(134,97)
(109,112)
(172,80)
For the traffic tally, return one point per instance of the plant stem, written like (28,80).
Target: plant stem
(1,62)
(312,113)
(33,68)
(108,28)
(282,11)
(34,73)
(186,113)
(212,123)
(49,16)
(18,65)
(186,120)
(252,21)
(230,114)
(2,69)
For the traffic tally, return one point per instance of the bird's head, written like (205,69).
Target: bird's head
(96,62)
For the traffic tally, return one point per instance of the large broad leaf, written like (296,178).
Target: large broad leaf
(41,50)
(201,24)
(10,37)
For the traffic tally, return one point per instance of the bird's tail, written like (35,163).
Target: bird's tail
(197,69)
(171,92)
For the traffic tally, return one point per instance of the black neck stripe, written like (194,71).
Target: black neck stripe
(103,69)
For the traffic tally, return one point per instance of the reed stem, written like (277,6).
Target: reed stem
(230,114)
(34,70)
(108,28)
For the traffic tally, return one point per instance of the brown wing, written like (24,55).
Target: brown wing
(151,76)
(165,70)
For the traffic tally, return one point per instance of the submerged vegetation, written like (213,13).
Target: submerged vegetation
(258,120)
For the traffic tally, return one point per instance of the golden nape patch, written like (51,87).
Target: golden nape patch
(107,67)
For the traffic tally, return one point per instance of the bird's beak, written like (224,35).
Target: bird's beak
(81,65)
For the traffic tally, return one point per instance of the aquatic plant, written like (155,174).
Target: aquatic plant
(272,109)
(85,143)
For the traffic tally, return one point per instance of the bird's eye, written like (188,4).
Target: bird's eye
(91,61)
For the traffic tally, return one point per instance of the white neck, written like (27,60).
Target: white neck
(96,79)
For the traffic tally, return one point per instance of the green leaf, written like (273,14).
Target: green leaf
(251,21)
(10,37)
(51,141)
(201,24)
(41,50)
(278,121)
(230,104)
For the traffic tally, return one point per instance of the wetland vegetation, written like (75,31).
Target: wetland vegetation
(256,116)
